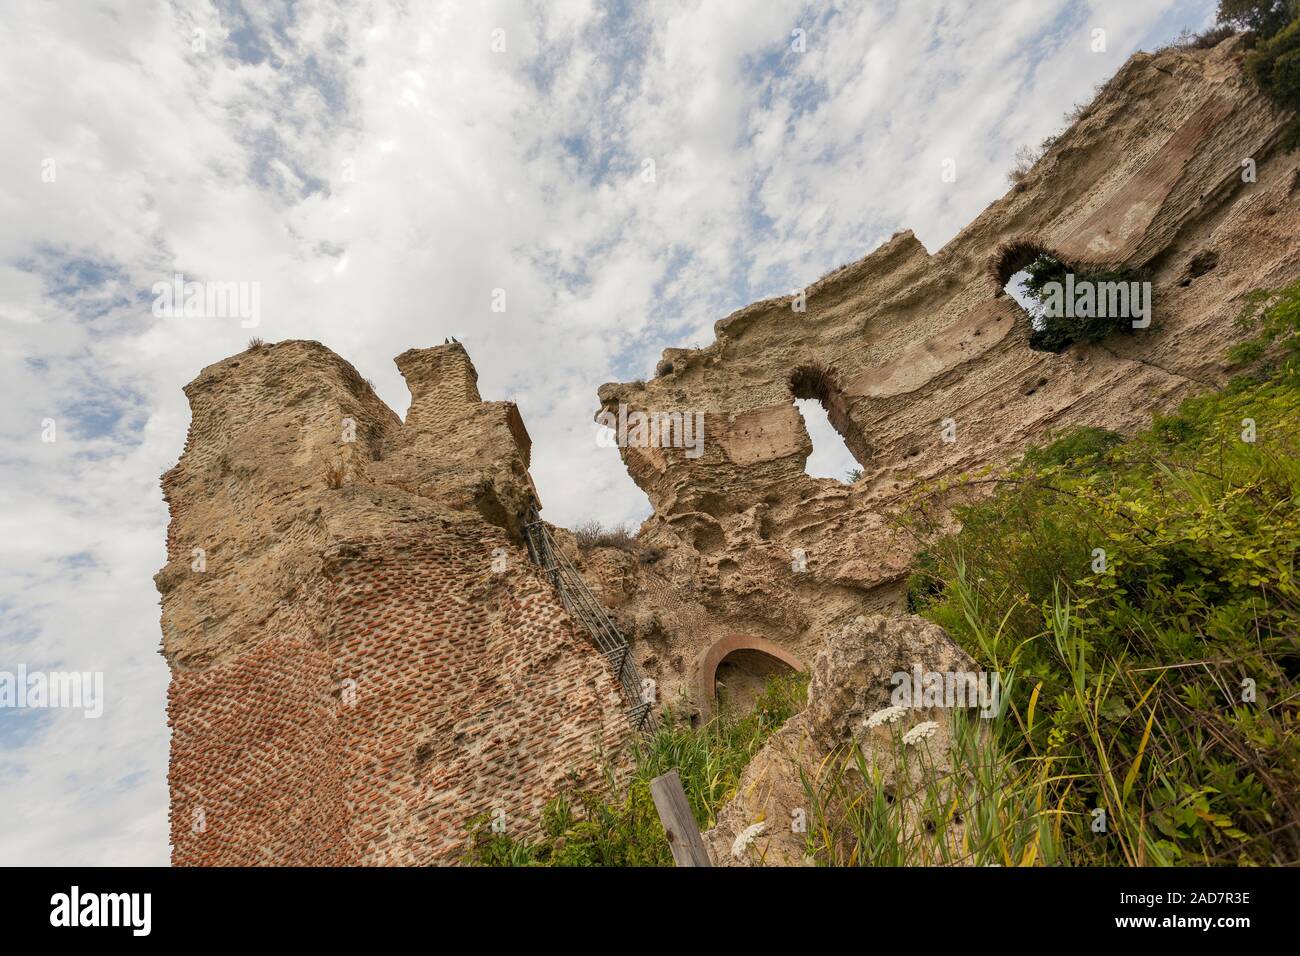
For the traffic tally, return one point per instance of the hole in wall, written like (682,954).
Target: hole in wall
(708,537)
(1015,288)
(1065,304)
(830,456)
(1203,262)
(839,449)
(1018,287)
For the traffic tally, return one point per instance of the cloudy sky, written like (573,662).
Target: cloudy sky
(627,172)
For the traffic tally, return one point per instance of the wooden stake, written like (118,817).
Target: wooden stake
(679,823)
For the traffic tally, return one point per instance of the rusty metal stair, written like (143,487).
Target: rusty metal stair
(583,607)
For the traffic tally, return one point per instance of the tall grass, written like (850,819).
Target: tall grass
(997,797)
(1144,594)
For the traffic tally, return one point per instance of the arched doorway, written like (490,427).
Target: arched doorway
(744,662)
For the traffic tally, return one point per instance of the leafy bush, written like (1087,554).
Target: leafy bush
(1275,66)
(617,825)
(1263,17)
(1082,447)
(1054,333)
(1140,593)
(1274,317)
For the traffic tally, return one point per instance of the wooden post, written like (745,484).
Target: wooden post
(679,823)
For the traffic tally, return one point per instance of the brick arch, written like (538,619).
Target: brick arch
(1012,256)
(707,669)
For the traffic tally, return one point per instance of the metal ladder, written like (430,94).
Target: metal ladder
(583,606)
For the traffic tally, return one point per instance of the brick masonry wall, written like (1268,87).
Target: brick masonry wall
(361,668)
(255,770)
(473,693)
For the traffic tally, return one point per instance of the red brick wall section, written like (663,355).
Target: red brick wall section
(254,772)
(473,693)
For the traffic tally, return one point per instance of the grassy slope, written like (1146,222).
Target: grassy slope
(1143,596)
(616,825)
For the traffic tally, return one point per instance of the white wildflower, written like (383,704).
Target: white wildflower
(745,838)
(920,732)
(889,715)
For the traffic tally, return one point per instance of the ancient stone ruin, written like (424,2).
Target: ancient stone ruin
(905,348)
(363,655)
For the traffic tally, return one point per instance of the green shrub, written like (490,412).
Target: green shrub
(1084,447)
(1263,17)
(1055,333)
(1275,66)
(1132,676)
(1274,317)
(924,583)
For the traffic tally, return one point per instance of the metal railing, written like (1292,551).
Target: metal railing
(583,607)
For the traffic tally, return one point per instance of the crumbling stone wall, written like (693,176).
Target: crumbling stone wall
(904,342)
(362,656)
(849,680)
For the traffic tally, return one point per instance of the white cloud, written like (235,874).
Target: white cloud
(473,170)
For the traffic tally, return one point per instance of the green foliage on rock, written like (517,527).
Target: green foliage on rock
(1274,63)
(1055,333)
(1262,17)
(1144,593)
(1274,317)
(1275,66)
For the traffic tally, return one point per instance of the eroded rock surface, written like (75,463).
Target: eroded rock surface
(904,342)
(851,679)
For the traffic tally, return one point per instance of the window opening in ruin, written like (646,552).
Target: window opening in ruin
(838,450)
(830,457)
(1015,269)
(741,679)
(1019,288)
(1066,304)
